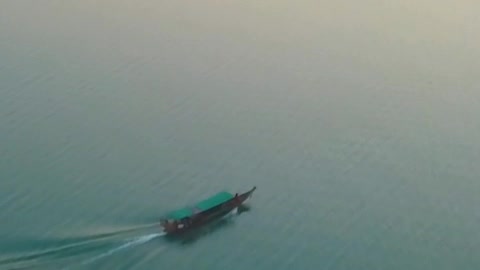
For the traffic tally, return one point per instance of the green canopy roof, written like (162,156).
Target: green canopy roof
(215,200)
(204,205)
(181,213)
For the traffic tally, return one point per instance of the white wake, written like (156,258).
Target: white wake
(129,243)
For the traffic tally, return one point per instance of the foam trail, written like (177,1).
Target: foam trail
(130,243)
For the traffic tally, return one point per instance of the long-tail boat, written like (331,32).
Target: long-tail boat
(204,211)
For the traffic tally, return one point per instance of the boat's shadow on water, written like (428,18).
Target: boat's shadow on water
(197,233)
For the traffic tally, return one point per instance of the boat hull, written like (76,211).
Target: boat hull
(202,218)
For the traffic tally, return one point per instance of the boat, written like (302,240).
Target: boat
(214,207)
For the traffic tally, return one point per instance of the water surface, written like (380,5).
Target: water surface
(358,123)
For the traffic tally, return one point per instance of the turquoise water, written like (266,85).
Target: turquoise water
(358,123)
